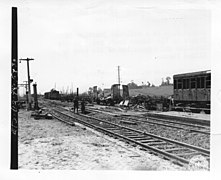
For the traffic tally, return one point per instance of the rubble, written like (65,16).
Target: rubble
(38,115)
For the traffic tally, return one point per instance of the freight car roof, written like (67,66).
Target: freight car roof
(192,74)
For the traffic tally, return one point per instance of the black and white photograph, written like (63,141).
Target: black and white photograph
(117,85)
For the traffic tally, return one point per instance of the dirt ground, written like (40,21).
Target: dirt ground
(51,144)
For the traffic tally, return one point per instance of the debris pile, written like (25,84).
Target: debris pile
(143,103)
(39,115)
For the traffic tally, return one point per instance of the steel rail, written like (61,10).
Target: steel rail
(155,136)
(154,118)
(131,140)
(202,150)
(162,152)
(175,122)
(70,123)
(167,125)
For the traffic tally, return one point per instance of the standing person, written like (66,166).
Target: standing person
(75,104)
(83,106)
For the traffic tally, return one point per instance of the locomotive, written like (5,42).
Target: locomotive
(193,90)
(53,94)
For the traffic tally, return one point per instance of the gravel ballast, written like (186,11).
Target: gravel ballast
(51,144)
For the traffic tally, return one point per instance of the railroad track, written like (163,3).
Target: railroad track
(176,151)
(163,122)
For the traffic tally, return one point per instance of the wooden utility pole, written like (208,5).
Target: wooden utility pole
(14,91)
(26,93)
(29,82)
(118,69)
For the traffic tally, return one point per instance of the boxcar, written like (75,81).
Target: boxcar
(125,92)
(193,89)
(115,91)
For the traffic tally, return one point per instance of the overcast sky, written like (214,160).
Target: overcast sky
(80,43)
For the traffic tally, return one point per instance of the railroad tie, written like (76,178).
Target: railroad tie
(141,138)
(135,136)
(188,154)
(174,149)
(151,140)
(128,122)
(112,129)
(128,134)
(157,143)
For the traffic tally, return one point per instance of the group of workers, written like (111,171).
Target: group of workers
(76,106)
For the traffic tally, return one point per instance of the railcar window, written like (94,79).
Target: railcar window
(198,82)
(208,81)
(208,77)
(193,82)
(202,82)
(184,83)
(187,83)
(208,84)
(179,84)
(175,84)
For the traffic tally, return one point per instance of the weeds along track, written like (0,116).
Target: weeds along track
(175,151)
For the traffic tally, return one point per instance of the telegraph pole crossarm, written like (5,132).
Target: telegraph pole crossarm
(27,59)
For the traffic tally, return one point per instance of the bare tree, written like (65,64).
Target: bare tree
(168,80)
(163,83)
(90,91)
(132,85)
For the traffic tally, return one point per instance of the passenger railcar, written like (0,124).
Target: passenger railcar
(193,89)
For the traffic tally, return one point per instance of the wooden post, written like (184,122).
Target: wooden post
(35,97)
